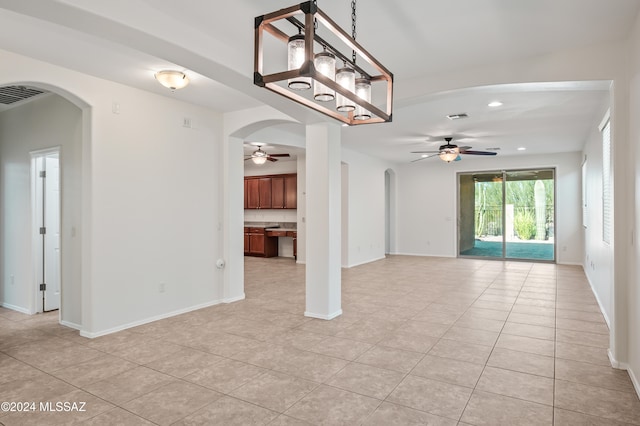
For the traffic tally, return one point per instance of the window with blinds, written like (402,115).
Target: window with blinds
(606,183)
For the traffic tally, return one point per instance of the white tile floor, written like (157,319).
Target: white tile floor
(421,341)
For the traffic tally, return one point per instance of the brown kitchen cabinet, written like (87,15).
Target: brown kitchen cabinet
(271,192)
(291,192)
(246,201)
(294,234)
(277,192)
(258,192)
(256,243)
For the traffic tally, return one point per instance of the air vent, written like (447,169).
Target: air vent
(457,116)
(12,94)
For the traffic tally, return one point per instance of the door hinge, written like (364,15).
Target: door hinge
(43,287)
(43,173)
(43,230)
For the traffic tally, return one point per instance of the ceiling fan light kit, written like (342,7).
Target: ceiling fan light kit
(259,159)
(259,156)
(450,152)
(311,63)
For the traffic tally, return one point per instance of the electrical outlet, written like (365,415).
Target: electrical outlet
(161,288)
(186,122)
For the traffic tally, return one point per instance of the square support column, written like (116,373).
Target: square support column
(323,222)
(233,223)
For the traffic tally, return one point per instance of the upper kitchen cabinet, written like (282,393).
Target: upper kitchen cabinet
(258,192)
(291,192)
(271,192)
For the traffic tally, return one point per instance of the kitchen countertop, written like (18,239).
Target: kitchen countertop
(261,225)
(281,228)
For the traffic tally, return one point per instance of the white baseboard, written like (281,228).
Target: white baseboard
(570,263)
(424,255)
(595,294)
(364,262)
(16,308)
(301,262)
(71,325)
(624,366)
(614,362)
(234,299)
(634,380)
(324,317)
(93,335)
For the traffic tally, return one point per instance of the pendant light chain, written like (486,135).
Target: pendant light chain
(353,28)
(315,20)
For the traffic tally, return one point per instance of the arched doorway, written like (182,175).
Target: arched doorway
(49,127)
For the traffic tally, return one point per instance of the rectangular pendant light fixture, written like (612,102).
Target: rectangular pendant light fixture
(300,32)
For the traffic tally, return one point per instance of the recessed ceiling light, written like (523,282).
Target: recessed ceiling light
(495,104)
(522,148)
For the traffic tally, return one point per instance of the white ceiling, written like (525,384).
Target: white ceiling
(420,41)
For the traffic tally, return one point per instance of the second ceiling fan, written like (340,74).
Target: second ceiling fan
(450,152)
(259,156)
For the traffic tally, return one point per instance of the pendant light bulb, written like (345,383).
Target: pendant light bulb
(325,64)
(363,91)
(295,48)
(345,77)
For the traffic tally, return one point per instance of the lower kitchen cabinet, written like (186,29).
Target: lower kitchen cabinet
(256,243)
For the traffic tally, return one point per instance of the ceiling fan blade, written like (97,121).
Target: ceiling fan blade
(419,159)
(271,159)
(458,158)
(464,148)
(424,158)
(479,152)
(279,155)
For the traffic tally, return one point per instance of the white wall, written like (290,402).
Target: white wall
(49,121)
(598,255)
(366,209)
(633,296)
(427,194)
(151,198)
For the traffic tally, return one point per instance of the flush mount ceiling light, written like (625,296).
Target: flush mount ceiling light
(494,104)
(312,78)
(172,79)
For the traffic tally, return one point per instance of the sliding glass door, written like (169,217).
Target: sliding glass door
(507,214)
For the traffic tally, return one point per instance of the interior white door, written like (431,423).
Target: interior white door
(52,235)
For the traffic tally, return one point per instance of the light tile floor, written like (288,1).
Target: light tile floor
(422,341)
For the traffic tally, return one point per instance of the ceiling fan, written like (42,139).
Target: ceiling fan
(259,156)
(450,152)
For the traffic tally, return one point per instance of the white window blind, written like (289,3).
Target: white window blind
(606,183)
